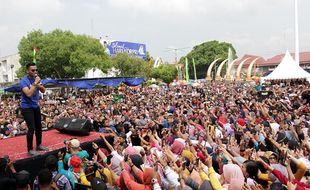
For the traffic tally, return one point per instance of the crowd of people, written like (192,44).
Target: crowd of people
(212,136)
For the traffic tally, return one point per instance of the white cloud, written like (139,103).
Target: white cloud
(36,7)
(191,6)
(159,6)
(18,17)
(261,27)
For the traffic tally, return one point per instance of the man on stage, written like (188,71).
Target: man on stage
(30,86)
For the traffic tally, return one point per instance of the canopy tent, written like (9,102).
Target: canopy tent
(94,73)
(153,86)
(85,83)
(287,69)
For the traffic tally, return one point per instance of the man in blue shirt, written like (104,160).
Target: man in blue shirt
(30,87)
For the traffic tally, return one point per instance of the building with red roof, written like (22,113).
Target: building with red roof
(266,66)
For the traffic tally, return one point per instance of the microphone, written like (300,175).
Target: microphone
(35,76)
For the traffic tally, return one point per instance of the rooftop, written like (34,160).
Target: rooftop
(304,58)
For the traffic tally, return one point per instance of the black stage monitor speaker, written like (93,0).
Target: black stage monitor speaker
(73,126)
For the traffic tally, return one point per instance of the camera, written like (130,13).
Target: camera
(126,158)
(108,160)
(66,141)
(6,158)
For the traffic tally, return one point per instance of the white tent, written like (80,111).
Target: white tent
(94,73)
(287,69)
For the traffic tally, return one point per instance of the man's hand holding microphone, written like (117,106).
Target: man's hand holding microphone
(37,81)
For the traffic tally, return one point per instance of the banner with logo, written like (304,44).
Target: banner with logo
(135,49)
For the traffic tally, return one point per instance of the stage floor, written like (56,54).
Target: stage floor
(16,147)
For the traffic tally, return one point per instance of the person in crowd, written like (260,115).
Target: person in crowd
(213,136)
(7,174)
(62,182)
(23,180)
(73,149)
(45,179)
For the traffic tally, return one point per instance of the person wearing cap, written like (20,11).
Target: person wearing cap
(75,168)
(74,149)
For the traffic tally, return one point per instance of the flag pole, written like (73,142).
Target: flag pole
(194,65)
(34,55)
(186,70)
(296,34)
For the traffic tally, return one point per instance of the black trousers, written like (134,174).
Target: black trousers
(32,117)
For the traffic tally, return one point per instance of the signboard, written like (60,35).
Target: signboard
(115,47)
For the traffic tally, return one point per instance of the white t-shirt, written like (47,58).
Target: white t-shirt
(205,143)
(116,160)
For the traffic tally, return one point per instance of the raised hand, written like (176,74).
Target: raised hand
(95,158)
(129,161)
(60,155)
(37,80)
(257,187)
(163,162)
(102,136)
(95,146)
(291,186)
(209,161)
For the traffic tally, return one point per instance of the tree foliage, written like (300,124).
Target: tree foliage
(166,72)
(207,52)
(61,54)
(131,66)
(204,54)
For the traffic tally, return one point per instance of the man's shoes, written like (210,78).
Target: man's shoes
(33,153)
(41,148)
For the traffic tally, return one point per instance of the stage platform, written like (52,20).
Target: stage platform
(16,148)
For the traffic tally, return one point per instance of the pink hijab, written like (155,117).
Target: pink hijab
(233,176)
(130,151)
(177,147)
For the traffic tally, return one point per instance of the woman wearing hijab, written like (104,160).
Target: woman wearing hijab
(232,177)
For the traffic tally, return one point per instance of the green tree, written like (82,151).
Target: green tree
(62,54)
(166,72)
(205,53)
(131,66)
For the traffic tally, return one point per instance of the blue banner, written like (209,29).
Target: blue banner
(85,83)
(115,47)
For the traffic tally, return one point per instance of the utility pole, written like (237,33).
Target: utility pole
(296,33)
(179,66)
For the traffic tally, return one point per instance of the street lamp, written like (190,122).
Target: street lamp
(12,66)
